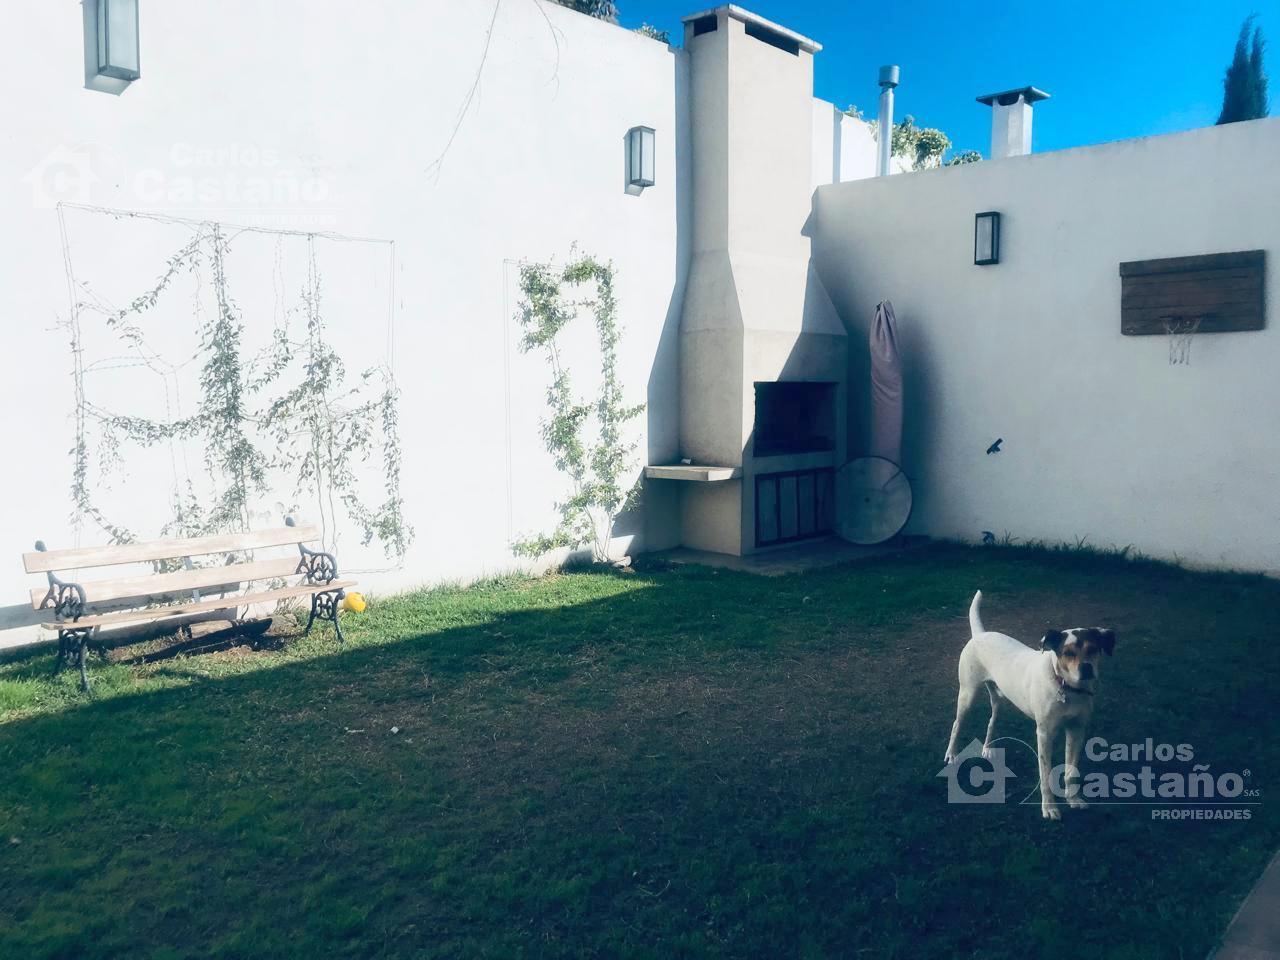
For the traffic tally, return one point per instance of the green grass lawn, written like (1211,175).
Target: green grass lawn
(678,762)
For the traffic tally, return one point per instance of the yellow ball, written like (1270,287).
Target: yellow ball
(354,603)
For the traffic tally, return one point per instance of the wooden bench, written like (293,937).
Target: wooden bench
(83,608)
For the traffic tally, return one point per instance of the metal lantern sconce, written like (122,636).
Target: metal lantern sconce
(640,157)
(117,22)
(986,238)
(111,60)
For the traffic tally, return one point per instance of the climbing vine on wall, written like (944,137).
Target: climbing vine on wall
(588,440)
(288,410)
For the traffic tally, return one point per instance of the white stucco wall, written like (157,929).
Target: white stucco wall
(844,147)
(345,111)
(1102,438)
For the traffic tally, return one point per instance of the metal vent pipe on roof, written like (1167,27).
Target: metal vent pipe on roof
(888,80)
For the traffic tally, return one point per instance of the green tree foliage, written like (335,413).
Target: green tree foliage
(600,9)
(653,33)
(923,146)
(1244,89)
(1262,101)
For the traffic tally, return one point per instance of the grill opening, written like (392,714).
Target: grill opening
(794,417)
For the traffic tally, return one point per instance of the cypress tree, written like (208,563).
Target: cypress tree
(1258,78)
(1244,89)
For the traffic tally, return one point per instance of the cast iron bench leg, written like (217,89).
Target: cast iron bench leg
(73,645)
(324,606)
(320,568)
(84,673)
(60,660)
(68,603)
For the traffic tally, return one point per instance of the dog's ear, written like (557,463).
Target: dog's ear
(1106,640)
(1052,640)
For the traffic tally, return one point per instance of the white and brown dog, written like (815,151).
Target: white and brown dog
(1053,686)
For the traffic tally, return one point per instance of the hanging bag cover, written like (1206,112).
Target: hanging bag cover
(886,386)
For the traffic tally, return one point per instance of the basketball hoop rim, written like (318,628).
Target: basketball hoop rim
(1180,333)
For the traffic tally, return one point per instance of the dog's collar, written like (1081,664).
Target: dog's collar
(1063,686)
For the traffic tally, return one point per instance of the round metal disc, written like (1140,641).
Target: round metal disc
(873,500)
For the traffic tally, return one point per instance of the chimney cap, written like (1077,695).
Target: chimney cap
(1007,98)
(746,16)
(889,75)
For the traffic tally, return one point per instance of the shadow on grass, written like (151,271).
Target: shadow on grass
(682,762)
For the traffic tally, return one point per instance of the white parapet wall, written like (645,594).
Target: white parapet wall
(844,147)
(1103,439)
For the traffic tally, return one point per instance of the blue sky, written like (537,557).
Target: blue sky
(1127,68)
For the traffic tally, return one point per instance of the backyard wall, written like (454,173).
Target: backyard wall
(1102,437)
(471,136)
(402,121)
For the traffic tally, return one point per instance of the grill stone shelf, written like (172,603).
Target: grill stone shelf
(698,472)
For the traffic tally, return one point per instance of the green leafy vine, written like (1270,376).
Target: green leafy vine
(587,440)
(250,423)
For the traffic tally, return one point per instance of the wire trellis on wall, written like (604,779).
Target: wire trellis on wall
(282,415)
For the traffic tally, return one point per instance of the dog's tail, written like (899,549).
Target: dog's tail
(975,618)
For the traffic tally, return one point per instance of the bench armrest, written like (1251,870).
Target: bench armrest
(67,599)
(316,566)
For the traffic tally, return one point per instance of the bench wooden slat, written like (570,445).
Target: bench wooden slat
(160,585)
(79,557)
(177,610)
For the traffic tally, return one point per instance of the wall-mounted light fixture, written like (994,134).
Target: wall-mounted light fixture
(118,39)
(111,44)
(640,157)
(986,238)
